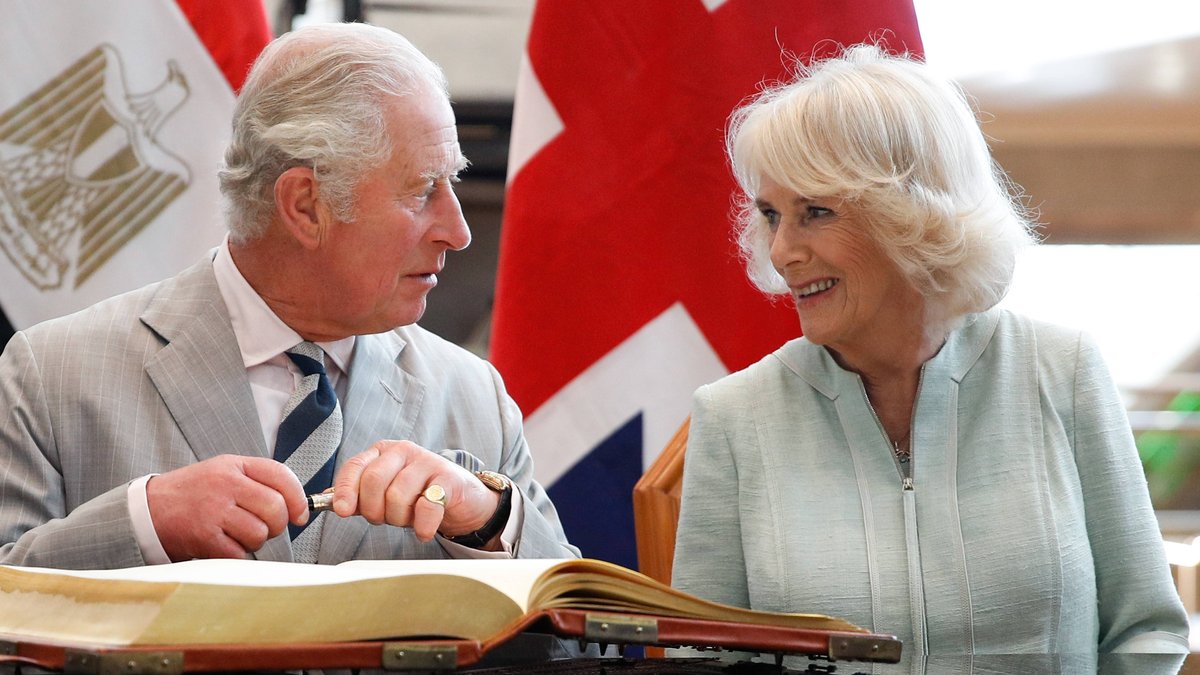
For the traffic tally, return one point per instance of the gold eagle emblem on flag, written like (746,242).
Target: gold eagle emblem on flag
(81,168)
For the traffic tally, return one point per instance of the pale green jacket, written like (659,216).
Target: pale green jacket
(1027,528)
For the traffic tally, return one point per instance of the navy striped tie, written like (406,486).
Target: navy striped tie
(308,440)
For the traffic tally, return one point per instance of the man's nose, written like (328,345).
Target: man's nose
(452,228)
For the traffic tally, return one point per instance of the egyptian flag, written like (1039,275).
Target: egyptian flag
(620,290)
(113,120)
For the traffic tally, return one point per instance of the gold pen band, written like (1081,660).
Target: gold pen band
(322,501)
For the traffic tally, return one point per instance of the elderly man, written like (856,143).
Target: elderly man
(194,418)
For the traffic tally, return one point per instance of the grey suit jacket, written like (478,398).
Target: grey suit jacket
(153,380)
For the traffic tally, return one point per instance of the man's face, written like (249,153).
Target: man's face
(378,268)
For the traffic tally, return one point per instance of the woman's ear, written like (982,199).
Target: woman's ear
(299,208)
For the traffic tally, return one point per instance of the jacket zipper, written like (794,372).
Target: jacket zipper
(916,591)
(903,468)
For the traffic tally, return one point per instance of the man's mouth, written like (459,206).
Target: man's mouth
(816,287)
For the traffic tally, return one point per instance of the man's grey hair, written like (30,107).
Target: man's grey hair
(316,97)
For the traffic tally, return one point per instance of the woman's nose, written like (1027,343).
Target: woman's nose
(788,247)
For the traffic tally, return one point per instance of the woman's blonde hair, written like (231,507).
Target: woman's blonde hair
(904,145)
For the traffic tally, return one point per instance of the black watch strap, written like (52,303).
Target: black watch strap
(495,525)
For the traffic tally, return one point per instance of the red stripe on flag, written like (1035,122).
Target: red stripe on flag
(233,31)
(627,211)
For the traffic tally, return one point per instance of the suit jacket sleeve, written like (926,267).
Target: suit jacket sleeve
(1139,610)
(37,526)
(541,533)
(708,546)
(461,410)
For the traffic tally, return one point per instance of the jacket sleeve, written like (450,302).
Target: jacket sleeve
(1139,608)
(709,562)
(38,527)
(542,534)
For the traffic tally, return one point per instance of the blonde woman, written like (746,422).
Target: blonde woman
(920,462)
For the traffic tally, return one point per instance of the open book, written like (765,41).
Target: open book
(254,602)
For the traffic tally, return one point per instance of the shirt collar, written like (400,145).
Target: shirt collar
(260,333)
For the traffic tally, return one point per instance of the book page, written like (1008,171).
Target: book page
(50,607)
(248,601)
(224,572)
(595,584)
(514,578)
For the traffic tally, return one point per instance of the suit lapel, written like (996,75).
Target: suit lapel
(382,402)
(199,372)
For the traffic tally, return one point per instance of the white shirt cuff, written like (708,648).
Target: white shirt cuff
(143,525)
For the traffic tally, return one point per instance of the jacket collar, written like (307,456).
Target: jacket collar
(816,366)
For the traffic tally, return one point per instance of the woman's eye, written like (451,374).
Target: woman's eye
(818,212)
(771,216)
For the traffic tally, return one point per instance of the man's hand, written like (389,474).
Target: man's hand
(385,483)
(224,507)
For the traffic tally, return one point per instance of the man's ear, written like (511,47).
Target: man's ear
(299,208)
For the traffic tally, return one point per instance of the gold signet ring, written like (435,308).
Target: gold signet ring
(436,494)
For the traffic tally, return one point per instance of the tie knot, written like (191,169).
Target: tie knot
(308,357)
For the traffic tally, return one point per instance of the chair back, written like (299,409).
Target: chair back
(656,508)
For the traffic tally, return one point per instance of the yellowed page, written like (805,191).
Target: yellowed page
(407,606)
(51,608)
(246,601)
(595,584)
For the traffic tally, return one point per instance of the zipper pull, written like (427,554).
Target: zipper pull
(907,484)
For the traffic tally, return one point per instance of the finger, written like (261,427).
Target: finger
(346,482)
(427,518)
(266,505)
(212,541)
(378,484)
(246,529)
(222,545)
(404,493)
(278,477)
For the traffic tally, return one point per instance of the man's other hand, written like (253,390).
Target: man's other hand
(224,507)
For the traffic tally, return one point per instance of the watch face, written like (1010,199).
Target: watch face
(495,481)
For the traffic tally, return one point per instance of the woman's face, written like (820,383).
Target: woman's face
(849,295)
